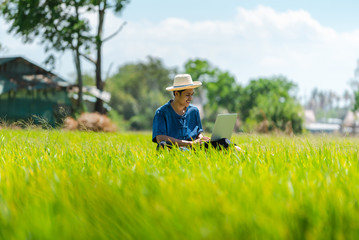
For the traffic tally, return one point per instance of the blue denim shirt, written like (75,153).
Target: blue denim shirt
(168,122)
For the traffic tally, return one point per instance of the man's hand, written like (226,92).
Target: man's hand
(204,138)
(197,141)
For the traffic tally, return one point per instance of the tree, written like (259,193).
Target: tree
(88,79)
(62,25)
(355,109)
(56,23)
(220,91)
(347,97)
(356,101)
(354,83)
(271,100)
(200,70)
(138,89)
(101,7)
(223,92)
(326,104)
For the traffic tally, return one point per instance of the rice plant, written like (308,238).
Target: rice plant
(83,185)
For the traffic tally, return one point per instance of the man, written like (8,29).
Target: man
(178,122)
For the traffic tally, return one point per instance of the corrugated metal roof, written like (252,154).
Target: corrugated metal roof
(7,59)
(23,72)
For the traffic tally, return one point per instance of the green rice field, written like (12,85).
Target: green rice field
(83,185)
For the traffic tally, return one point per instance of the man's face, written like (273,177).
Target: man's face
(185,97)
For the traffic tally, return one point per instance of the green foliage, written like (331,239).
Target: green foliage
(60,24)
(64,25)
(270,100)
(223,92)
(54,22)
(219,93)
(262,99)
(82,185)
(88,80)
(138,89)
(200,70)
(356,101)
(118,120)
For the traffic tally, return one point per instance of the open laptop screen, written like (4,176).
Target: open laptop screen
(224,125)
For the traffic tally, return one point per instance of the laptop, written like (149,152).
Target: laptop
(224,125)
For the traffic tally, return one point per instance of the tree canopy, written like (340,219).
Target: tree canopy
(220,90)
(138,89)
(271,100)
(64,25)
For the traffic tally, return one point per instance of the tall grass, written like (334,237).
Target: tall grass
(81,185)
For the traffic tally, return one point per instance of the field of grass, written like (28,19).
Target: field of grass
(81,185)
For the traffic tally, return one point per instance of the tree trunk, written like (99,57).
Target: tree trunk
(76,49)
(79,80)
(99,83)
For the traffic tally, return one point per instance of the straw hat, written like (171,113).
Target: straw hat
(183,81)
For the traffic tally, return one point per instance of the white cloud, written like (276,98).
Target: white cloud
(258,42)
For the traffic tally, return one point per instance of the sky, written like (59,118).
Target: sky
(312,43)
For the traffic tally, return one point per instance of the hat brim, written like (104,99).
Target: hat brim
(195,84)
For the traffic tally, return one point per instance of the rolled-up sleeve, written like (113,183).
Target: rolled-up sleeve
(159,126)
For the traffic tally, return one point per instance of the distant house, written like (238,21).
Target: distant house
(323,128)
(350,122)
(309,116)
(311,125)
(29,91)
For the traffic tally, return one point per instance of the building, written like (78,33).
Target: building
(312,126)
(351,123)
(309,116)
(29,91)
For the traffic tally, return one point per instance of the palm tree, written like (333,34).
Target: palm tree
(347,98)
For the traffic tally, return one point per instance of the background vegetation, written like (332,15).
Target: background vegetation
(138,89)
(265,104)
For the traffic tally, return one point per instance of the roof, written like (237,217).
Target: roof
(8,59)
(309,116)
(18,72)
(350,118)
(322,127)
(35,66)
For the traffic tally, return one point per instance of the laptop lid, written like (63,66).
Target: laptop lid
(224,125)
